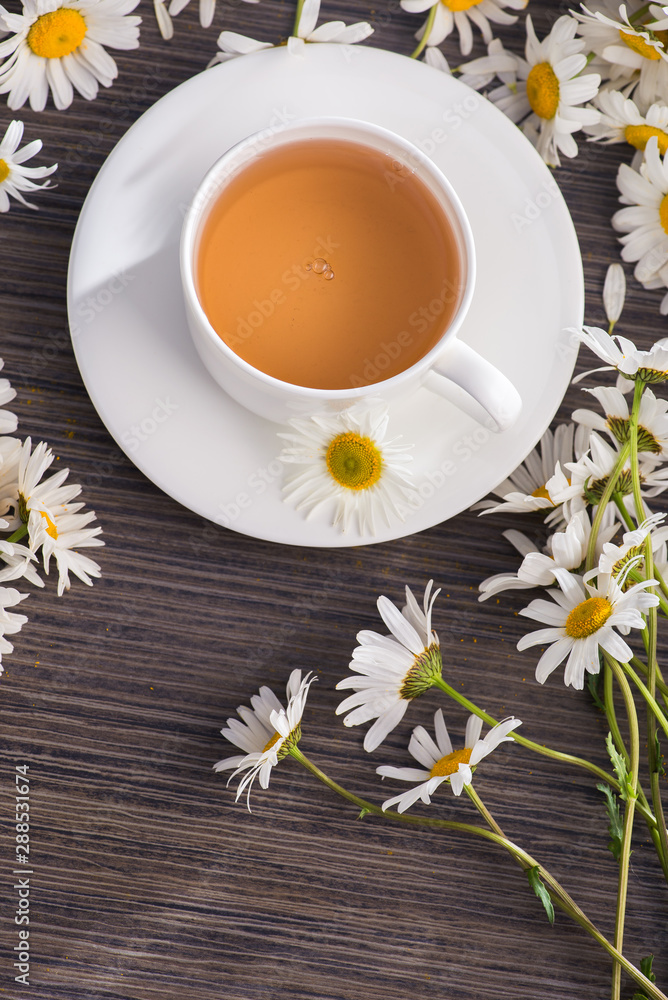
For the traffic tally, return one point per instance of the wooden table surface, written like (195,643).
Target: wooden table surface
(149,882)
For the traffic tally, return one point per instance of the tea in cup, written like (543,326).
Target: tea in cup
(329,260)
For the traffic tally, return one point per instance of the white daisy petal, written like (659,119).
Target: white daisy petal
(444,764)
(57,46)
(389,671)
(589,625)
(14,178)
(266,729)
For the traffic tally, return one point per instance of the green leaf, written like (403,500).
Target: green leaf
(363,813)
(646,968)
(533,874)
(615,825)
(619,765)
(593,683)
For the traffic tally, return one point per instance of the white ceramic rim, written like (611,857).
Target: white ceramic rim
(212,184)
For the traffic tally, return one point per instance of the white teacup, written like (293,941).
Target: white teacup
(451,368)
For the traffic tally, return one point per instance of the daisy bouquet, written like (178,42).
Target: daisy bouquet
(603,570)
(39,516)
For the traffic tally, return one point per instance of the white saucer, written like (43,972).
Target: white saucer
(128,323)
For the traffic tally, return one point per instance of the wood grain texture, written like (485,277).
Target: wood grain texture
(149,882)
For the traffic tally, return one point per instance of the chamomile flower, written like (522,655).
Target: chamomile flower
(645,220)
(551,87)
(614,559)
(58,45)
(652,419)
(441,763)
(622,355)
(392,670)
(347,460)
(10,622)
(33,491)
(266,733)
(451,14)
(331,31)
(634,53)
(565,550)
(526,488)
(15,178)
(207,8)
(582,619)
(588,477)
(622,121)
(61,534)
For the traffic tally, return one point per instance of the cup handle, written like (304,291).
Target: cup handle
(475,386)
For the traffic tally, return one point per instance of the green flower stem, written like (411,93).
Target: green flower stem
(662,583)
(643,805)
(603,503)
(633,440)
(19,534)
(559,894)
(609,702)
(529,744)
(298,14)
(483,810)
(655,826)
(660,683)
(652,703)
(427,31)
(654,711)
(567,758)
(618,501)
(625,851)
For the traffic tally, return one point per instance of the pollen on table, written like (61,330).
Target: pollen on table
(150,689)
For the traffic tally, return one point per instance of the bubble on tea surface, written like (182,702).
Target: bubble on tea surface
(308,265)
(320,265)
(328,274)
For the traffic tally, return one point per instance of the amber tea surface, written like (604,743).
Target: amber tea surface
(327,264)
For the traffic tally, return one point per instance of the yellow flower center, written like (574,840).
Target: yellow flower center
(4,170)
(639,135)
(272,742)
(541,491)
(450,763)
(663,213)
(456,5)
(640,46)
(51,528)
(543,90)
(588,617)
(58,33)
(354,461)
